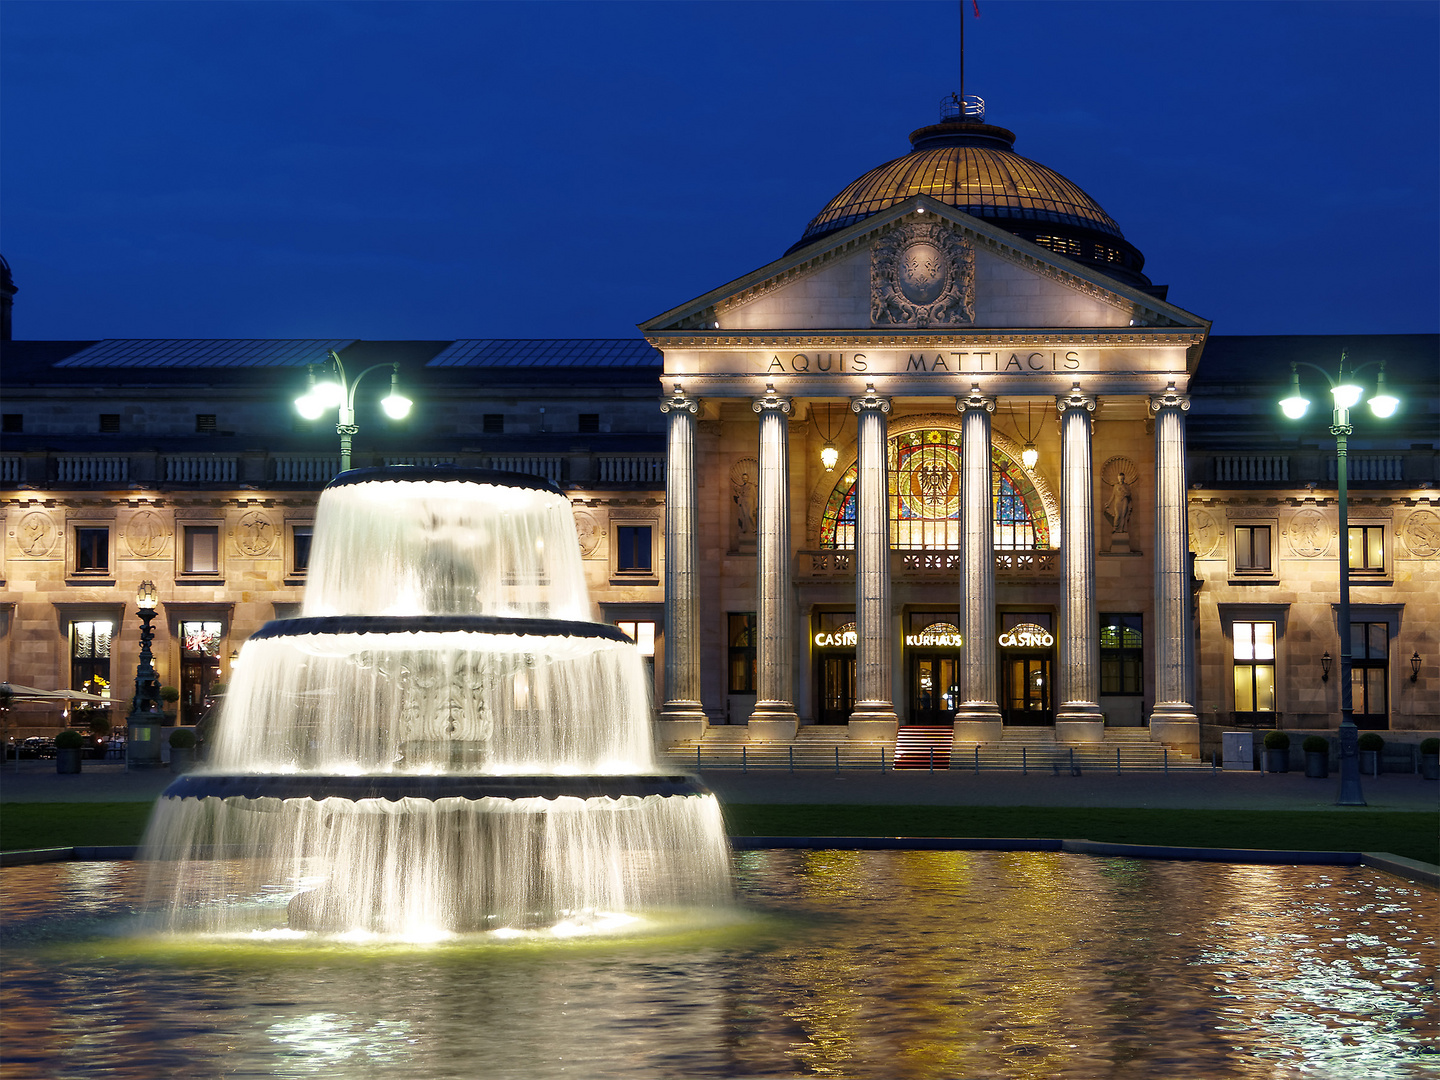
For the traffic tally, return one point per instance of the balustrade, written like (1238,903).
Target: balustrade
(1251,468)
(633,469)
(1375,468)
(91,469)
(200,469)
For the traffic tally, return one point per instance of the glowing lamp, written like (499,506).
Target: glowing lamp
(309,406)
(395,404)
(1029,455)
(1384,403)
(1347,395)
(1295,405)
(829,456)
(145,596)
(328,393)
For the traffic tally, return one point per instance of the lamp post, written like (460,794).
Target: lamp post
(142,739)
(1346,394)
(329,393)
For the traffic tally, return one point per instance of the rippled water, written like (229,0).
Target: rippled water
(856,964)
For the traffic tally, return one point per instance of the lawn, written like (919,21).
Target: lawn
(1411,834)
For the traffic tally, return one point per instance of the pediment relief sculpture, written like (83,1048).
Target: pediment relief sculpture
(922,274)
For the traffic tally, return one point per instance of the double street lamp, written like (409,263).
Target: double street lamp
(336,392)
(1346,393)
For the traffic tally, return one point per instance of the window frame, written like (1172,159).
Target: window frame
(183,571)
(91,618)
(1249,575)
(294,573)
(1367,574)
(1122,653)
(632,575)
(1254,663)
(74,528)
(747,655)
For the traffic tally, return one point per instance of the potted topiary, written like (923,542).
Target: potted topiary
(68,747)
(1370,746)
(99,725)
(1277,752)
(1430,759)
(182,750)
(1317,756)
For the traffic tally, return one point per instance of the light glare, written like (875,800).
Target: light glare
(396,405)
(1294,407)
(1347,395)
(309,406)
(1383,405)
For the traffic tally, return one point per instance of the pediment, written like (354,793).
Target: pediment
(921,266)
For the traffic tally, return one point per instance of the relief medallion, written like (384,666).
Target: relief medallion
(1421,533)
(36,534)
(1309,534)
(145,534)
(922,275)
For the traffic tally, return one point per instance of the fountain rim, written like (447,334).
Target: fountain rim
(431,787)
(383,474)
(495,625)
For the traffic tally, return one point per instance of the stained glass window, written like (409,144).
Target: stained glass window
(924,475)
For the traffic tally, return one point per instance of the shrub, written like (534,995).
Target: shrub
(1430,746)
(169,695)
(69,740)
(182,739)
(1316,744)
(99,723)
(1277,740)
(218,689)
(1371,741)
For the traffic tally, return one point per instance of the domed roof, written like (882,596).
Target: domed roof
(973,167)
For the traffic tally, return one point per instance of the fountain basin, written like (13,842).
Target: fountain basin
(396,786)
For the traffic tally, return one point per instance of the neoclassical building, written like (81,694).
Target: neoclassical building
(951,462)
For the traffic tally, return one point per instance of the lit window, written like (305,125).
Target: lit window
(92,550)
(642,633)
(1122,658)
(1252,549)
(1367,549)
(742,652)
(632,552)
(1369,672)
(202,549)
(300,536)
(90,656)
(1254,658)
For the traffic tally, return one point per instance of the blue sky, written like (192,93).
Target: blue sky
(440,170)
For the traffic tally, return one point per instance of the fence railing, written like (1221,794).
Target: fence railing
(1072,761)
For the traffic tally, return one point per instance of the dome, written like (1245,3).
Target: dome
(973,167)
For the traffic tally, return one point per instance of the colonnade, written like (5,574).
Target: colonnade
(978,717)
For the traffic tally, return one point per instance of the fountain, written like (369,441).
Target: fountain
(441,743)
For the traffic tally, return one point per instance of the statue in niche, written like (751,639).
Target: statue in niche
(1119,473)
(1120,505)
(745,494)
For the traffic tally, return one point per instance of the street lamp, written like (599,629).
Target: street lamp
(328,393)
(1346,393)
(142,738)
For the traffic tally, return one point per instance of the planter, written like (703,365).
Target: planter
(1369,762)
(1317,764)
(1430,766)
(68,761)
(1277,760)
(182,759)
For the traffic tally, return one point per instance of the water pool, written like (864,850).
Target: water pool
(851,964)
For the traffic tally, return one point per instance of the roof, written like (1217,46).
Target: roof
(548,352)
(203,353)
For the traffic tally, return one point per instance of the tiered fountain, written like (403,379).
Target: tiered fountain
(441,743)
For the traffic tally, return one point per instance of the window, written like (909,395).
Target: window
(494,423)
(589,423)
(90,656)
(199,665)
(13,423)
(201,549)
(1367,549)
(1254,656)
(1122,660)
(1369,671)
(300,536)
(1252,549)
(92,549)
(109,422)
(205,422)
(632,549)
(742,652)
(642,633)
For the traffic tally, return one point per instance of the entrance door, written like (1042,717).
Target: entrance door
(934,688)
(837,688)
(1027,691)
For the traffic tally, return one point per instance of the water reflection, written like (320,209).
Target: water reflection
(874,964)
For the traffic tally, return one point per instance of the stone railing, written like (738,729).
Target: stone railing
(12,469)
(548,467)
(1251,468)
(1036,564)
(420,462)
(635,468)
(298,469)
(200,469)
(1375,468)
(91,469)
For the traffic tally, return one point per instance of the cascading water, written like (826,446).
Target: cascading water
(441,743)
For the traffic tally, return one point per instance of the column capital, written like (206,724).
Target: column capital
(1075,399)
(771,402)
(679,401)
(870,402)
(975,400)
(1170,399)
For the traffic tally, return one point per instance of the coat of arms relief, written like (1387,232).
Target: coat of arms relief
(922,275)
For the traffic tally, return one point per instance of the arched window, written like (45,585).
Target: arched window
(924,468)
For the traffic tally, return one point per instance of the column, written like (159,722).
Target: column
(873,716)
(1077,684)
(1173,720)
(774,718)
(681,716)
(978,718)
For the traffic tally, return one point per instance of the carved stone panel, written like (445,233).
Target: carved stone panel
(922,274)
(1119,476)
(588,530)
(1309,534)
(745,501)
(256,534)
(1204,533)
(146,534)
(1421,533)
(36,534)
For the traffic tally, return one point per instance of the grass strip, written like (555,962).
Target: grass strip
(47,825)
(1412,834)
